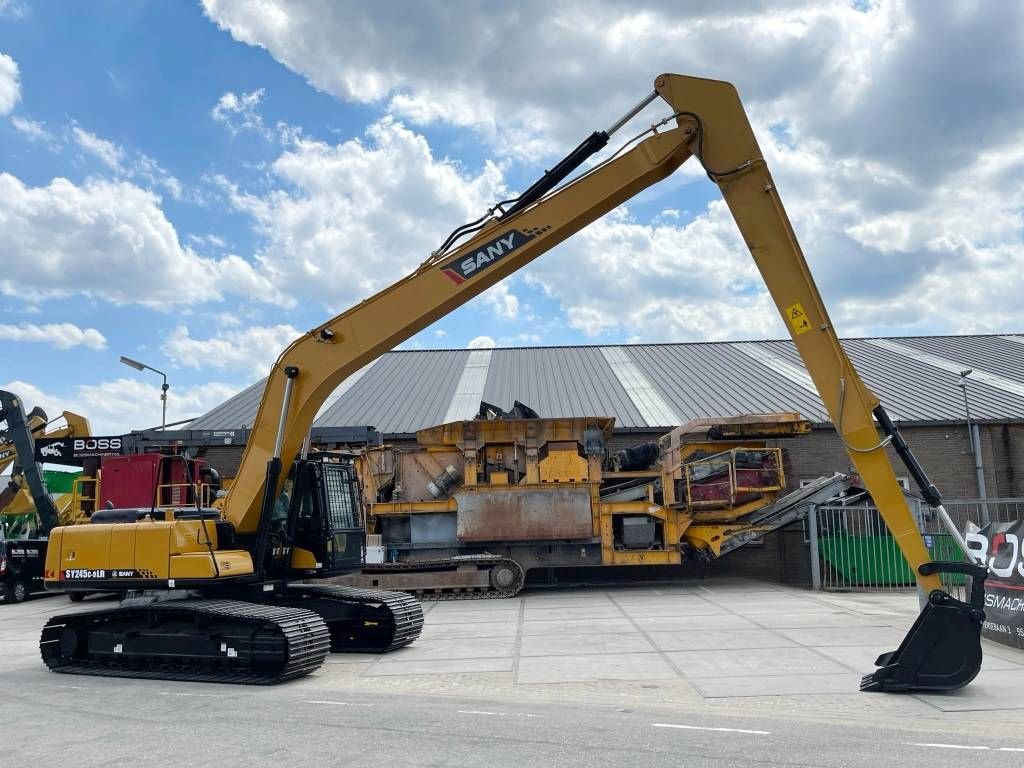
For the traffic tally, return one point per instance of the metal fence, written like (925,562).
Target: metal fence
(852,549)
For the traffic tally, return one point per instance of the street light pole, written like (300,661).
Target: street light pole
(967,406)
(974,441)
(163,387)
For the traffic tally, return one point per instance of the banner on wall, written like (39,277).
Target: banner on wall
(1001,547)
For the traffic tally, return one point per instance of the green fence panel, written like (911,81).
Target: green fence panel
(877,560)
(59,482)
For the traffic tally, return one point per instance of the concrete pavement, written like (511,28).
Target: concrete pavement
(567,677)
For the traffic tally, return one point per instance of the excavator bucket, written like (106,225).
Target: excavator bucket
(942,650)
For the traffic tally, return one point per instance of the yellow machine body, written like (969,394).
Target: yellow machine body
(544,480)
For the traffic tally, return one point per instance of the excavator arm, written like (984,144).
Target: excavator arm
(711,124)
(22,430)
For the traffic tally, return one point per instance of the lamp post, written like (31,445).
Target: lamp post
(967,406)
(974,441)
(163,388)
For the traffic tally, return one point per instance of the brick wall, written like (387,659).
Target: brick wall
(943,452)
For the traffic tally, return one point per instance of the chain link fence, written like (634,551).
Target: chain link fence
(852,549)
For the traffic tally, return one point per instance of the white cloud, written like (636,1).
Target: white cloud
(10,84)
(213,240)
(500,301)
(118,406)
(354,217)
(481,342)
(109,153)
(251,350)
(126,164)
(691,281)
(240,112)
(33,130)
(13,9)
(60,335)
(110,240)
(850,104)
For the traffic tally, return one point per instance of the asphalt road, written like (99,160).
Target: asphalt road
(50,719)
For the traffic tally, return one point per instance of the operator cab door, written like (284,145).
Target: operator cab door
(328,522)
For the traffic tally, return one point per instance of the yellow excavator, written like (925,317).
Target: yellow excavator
(19,497)
(221,592)
(28,511)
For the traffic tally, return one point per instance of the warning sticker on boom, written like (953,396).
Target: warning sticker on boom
(798,318)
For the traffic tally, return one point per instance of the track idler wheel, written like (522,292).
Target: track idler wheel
(503,576)
(942,650)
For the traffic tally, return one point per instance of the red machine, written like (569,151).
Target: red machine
(152,479)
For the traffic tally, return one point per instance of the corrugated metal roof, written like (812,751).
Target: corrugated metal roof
(239,411)
(408,390)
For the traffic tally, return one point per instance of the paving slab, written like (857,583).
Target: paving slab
(479,629)
(472,606)
(753,607)
(684,598)
(989,690)
(827,619)
(595,643)
(454,648)
(390,667)
(764,645)
(753,662)
(567,602)
(685,623)
(588,668)
(470,617)
(352,658)
(575,626)
(671,607)
(788,685)
(862,658)
(888,637)
(719,639)
(603,610)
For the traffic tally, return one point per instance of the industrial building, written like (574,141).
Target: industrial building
(930,385)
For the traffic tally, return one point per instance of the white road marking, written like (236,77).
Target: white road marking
(495,714)
(967,746)
(708,728)
(338,703)
(199,695)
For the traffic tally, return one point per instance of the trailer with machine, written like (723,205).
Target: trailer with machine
(475,505)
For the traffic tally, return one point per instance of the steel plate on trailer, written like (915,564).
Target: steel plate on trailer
(524,514)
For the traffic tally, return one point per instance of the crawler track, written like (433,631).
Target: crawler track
(214,641)
(506,577)
(370,620)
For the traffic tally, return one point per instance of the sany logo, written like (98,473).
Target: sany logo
(1004,548)
(461,270)
(53,449)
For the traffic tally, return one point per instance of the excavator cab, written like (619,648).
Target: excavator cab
(326,517)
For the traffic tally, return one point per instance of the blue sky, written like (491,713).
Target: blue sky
(193,183)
